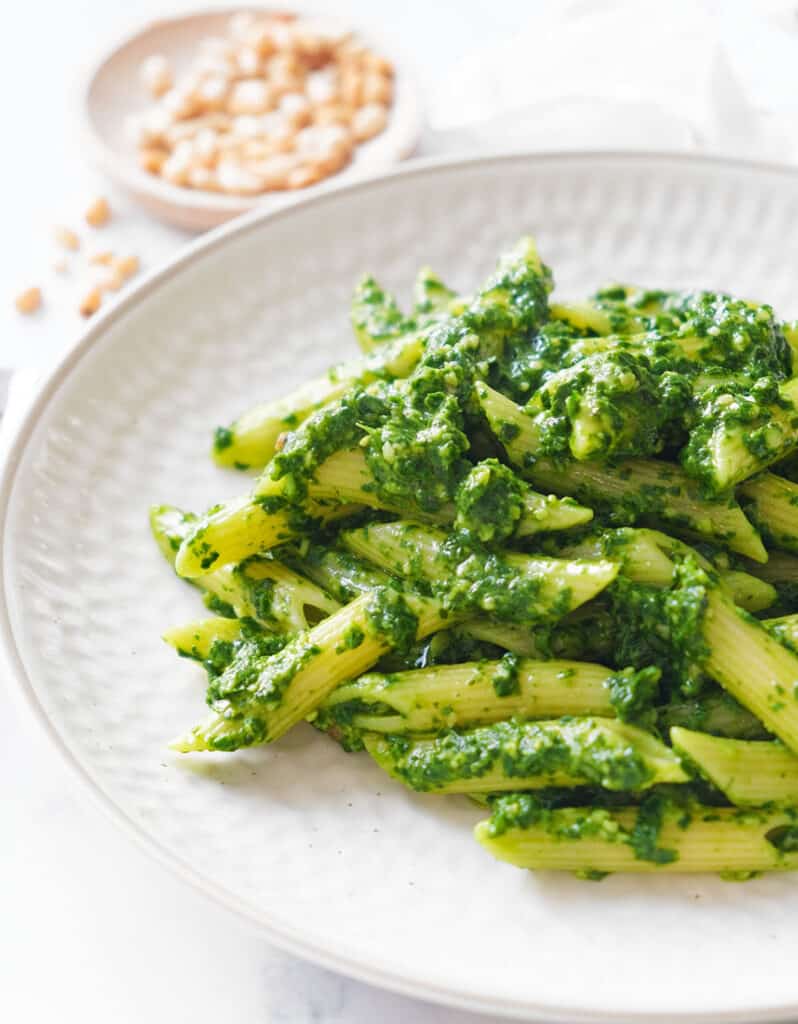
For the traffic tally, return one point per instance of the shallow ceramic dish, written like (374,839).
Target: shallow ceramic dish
(331,859)
(113,93)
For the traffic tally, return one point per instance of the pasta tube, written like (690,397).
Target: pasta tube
(644,488)
(529,755)
(513,587)
(450,696)
(596,841)
(260,699)
(748,773)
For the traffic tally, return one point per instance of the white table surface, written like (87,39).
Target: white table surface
(90,928)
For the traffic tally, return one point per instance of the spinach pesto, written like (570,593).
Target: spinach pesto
(489,502)
(391,618)
(505,677)
(516,754)
(543,553)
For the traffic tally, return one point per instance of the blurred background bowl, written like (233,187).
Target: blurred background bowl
(113,93)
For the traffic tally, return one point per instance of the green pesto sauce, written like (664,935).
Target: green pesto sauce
(223,438)
(785,838)
(478,580)
(261,594)
(414,431)
(220,655)
(417,454)
(261,676)
(249,731)
(526,810)
(631,406)
(219,607)
(715,712)
(505,676)
(376,317)
(633,693)
(519,749)
(644,838)
(353,637)
(489,502)
(741,407)
(231,655)
(662,627)
(527,360)
(391,619)
(430,294)
(338,722)
(471,577)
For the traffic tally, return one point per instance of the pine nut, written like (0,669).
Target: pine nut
(98,213)
(29,301)
(67,238)
(127,266)
(152,160)
(91,302)
(369,121)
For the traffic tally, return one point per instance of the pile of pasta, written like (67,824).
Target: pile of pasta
(533,553)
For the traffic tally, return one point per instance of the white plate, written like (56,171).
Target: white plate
(113,93)
(332,859)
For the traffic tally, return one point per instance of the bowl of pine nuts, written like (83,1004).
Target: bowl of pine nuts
(204,116)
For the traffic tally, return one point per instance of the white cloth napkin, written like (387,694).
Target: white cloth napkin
(719,77)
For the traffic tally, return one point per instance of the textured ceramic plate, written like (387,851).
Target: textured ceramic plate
(331,858)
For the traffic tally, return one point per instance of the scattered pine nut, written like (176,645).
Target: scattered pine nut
(102,259)
(127,266)
(91,302)
(67,238)
(29,301)
(98,213)
(59,265)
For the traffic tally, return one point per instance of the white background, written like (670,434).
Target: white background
(90,928)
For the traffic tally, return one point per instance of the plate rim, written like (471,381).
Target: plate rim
(21,689)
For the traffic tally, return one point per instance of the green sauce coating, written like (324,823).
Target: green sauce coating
(352,638)
(223,438)
(525,810)
(215,604)
(375,315)
(633,693)
(644,838)
(522,749)
(417,454)
(743,406)
(414,431)
(489,502)
(260,676)
(662,626)
(391,618)
(505,677)
(614,404)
